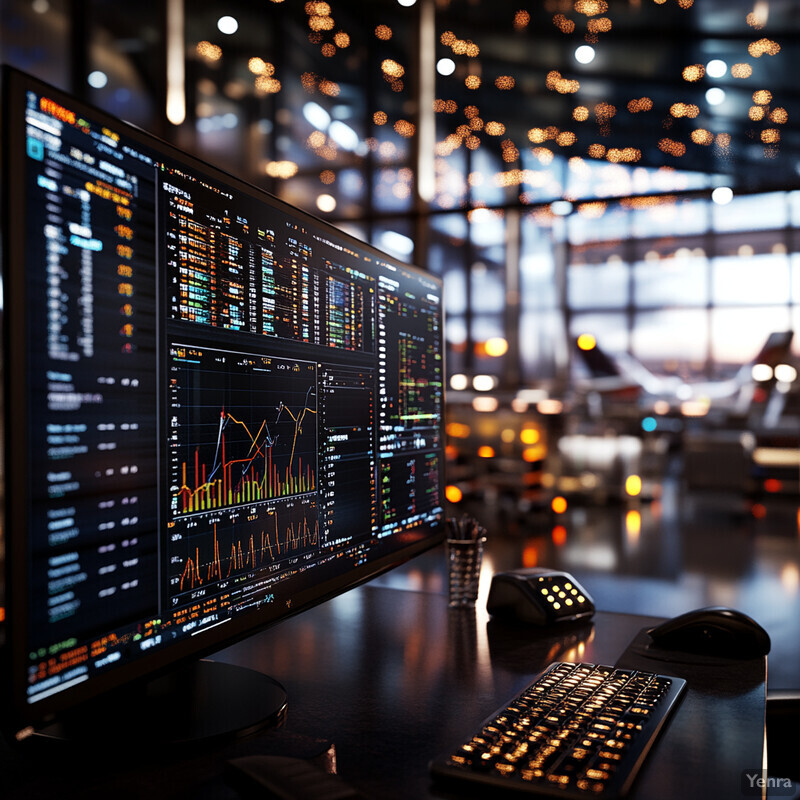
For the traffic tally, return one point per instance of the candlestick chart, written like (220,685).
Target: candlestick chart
(243,430)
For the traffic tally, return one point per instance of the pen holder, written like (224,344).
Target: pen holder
(464,558)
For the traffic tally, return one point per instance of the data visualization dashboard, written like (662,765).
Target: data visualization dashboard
(229,403)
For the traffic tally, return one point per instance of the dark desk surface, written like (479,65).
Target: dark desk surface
(392,678)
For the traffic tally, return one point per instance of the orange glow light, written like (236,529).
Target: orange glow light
(529,436)
(535,453)
(457,430)
(559,535)
(559,504)
(453,494)
(530,555)
(484,451)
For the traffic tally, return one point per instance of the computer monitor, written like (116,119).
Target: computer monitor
(218,409)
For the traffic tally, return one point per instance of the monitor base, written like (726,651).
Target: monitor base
(205,701)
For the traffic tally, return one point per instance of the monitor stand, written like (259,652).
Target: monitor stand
(204,701)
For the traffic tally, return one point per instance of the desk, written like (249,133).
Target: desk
(393,677)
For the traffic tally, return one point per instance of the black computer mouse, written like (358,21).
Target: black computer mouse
(538,596)
(714,631)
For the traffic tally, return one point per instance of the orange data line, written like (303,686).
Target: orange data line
(202,497)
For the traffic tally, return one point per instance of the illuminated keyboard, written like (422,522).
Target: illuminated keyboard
(579,730)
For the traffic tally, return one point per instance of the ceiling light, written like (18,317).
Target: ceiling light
(584,54)
(343,135)
(326,203)
(316,115)
(407,3)
(715,96)
(722,195)
(483,383)
(227,25)
(397,243)
(716,68)
(445,66)
(761,372)
(97,79)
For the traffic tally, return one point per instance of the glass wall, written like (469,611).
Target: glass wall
(320,105)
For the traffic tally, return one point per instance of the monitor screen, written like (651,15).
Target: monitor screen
(218,410)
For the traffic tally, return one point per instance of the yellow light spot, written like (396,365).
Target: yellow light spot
(209,51)
(563,24)
(587,342)
(694,73)
(405,128)
(702,136)
(763,47)
(591,8)
(596,150)
(529,436)
(330,88)
(601,25)
(281,169)
(633,524)
(633,485)
(496,346)
(559,504)
(392,68)
(485,451)
(640,104)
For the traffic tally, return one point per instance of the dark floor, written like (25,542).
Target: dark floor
(657,558)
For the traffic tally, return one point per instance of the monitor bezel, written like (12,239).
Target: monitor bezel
(21,718)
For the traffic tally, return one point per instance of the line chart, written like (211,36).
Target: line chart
(243,430)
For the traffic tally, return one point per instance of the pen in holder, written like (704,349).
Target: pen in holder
(465,540)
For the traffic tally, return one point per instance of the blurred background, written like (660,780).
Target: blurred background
(610,191)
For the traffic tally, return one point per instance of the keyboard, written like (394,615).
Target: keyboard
(579,730)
